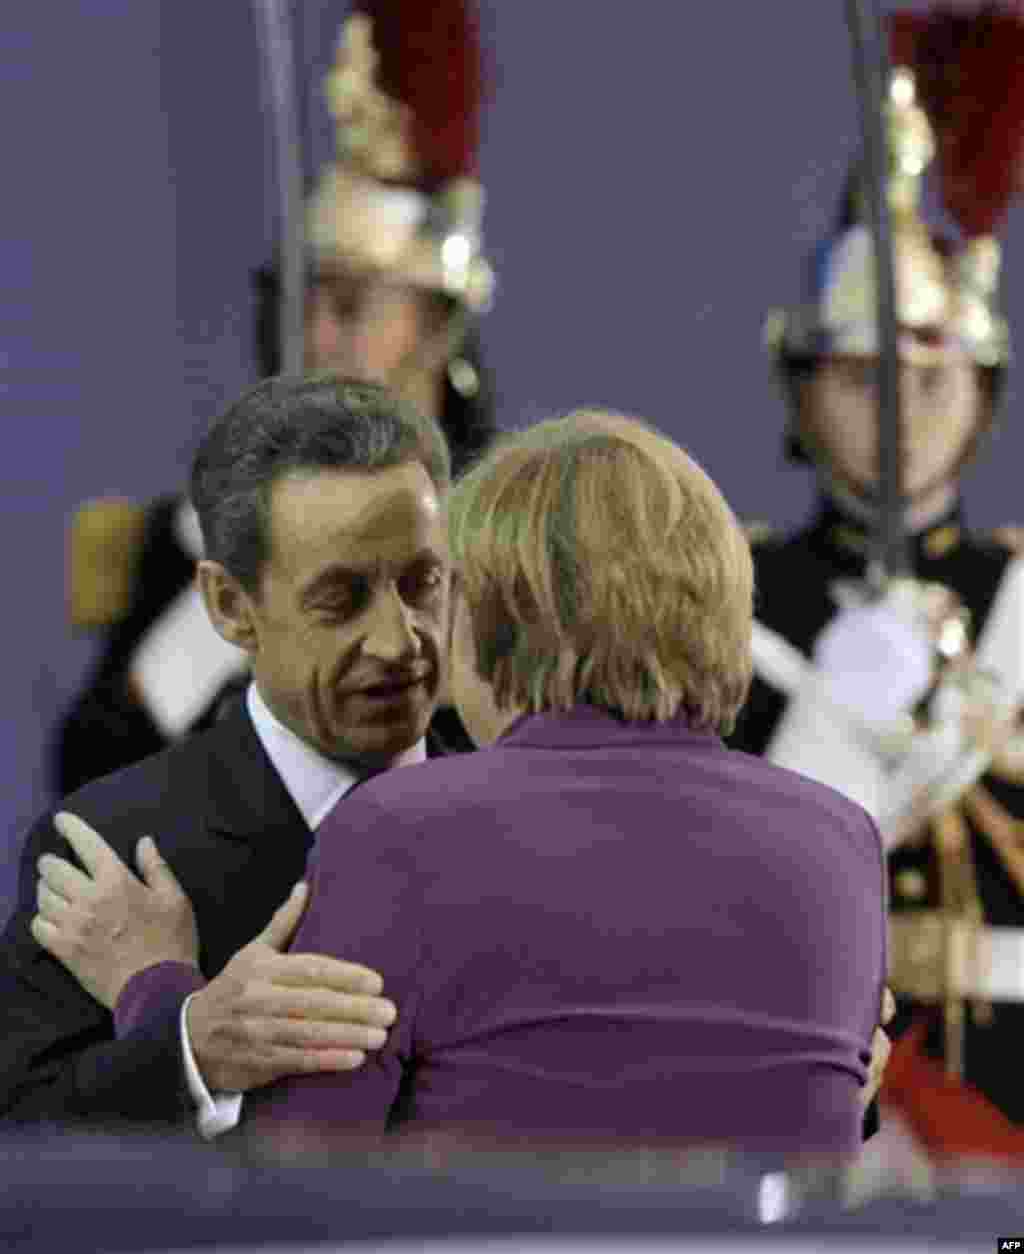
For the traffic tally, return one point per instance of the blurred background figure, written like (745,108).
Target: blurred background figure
(396,281)
(906,696)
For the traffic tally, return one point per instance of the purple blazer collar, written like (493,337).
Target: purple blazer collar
(588,726)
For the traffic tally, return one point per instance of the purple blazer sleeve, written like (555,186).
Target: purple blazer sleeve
(365,906)
(153,993)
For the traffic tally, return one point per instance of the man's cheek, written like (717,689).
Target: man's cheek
(439,636)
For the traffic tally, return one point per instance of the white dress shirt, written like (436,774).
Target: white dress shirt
(316,784)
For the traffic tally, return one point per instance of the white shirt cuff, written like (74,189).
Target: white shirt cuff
(215,1113)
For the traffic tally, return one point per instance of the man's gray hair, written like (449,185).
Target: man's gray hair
(295,425)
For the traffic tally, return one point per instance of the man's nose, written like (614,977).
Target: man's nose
(390,635)
(917,381)
(367,351)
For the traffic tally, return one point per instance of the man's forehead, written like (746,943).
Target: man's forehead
(360,510)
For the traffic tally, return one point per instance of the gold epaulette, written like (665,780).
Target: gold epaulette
(104,545)
(758,532)
(1010,537)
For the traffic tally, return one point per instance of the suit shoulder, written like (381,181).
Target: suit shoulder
(760,534)
(776,550)
(115,804)
(1008,539)
(782,563)
(151,783)
(978,565)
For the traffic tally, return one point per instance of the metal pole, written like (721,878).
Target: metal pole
(277,47)
(891,555)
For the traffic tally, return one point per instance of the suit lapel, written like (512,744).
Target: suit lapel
(255,841)
(245,797)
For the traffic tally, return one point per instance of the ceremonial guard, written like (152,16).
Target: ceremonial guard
(396,279)
(905,692)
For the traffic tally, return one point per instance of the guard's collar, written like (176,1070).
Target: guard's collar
(846,534)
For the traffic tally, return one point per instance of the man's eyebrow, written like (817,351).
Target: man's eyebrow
(342,572)
(334,574)
(426,555)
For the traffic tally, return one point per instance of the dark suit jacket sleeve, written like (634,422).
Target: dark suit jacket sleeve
(366,907)
(58,1059)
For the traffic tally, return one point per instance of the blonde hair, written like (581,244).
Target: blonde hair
(600,564)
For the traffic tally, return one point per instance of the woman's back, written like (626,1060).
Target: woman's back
(597,929)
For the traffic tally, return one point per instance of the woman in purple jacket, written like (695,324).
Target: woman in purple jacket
(604,925)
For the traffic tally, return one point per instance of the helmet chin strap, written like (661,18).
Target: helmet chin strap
(428,360)
(866,509)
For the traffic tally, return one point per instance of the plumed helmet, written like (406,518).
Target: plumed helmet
(956,104)
(402,194)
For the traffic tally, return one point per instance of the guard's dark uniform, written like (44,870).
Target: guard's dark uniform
(108,726)
(793,578)
(953,75)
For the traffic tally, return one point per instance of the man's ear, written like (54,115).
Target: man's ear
(228,605)
(803,442)
(441,329)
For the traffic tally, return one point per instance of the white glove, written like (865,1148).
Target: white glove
(872,664)
(876,660)
(945,761)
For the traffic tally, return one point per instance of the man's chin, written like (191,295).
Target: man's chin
(377,747)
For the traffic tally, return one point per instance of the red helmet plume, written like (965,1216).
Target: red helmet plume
(967,69)
(430,61)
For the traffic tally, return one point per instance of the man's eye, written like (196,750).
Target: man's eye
(932,378)
(857,374)
(344,307)
(341,602)
(336,608)
(422,584)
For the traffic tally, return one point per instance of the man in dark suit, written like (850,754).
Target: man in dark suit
(319,502)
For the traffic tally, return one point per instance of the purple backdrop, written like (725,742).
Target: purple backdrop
(654,180)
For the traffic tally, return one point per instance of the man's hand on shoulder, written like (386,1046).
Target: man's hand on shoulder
(270,1014)
(881,1048)
(106,924)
